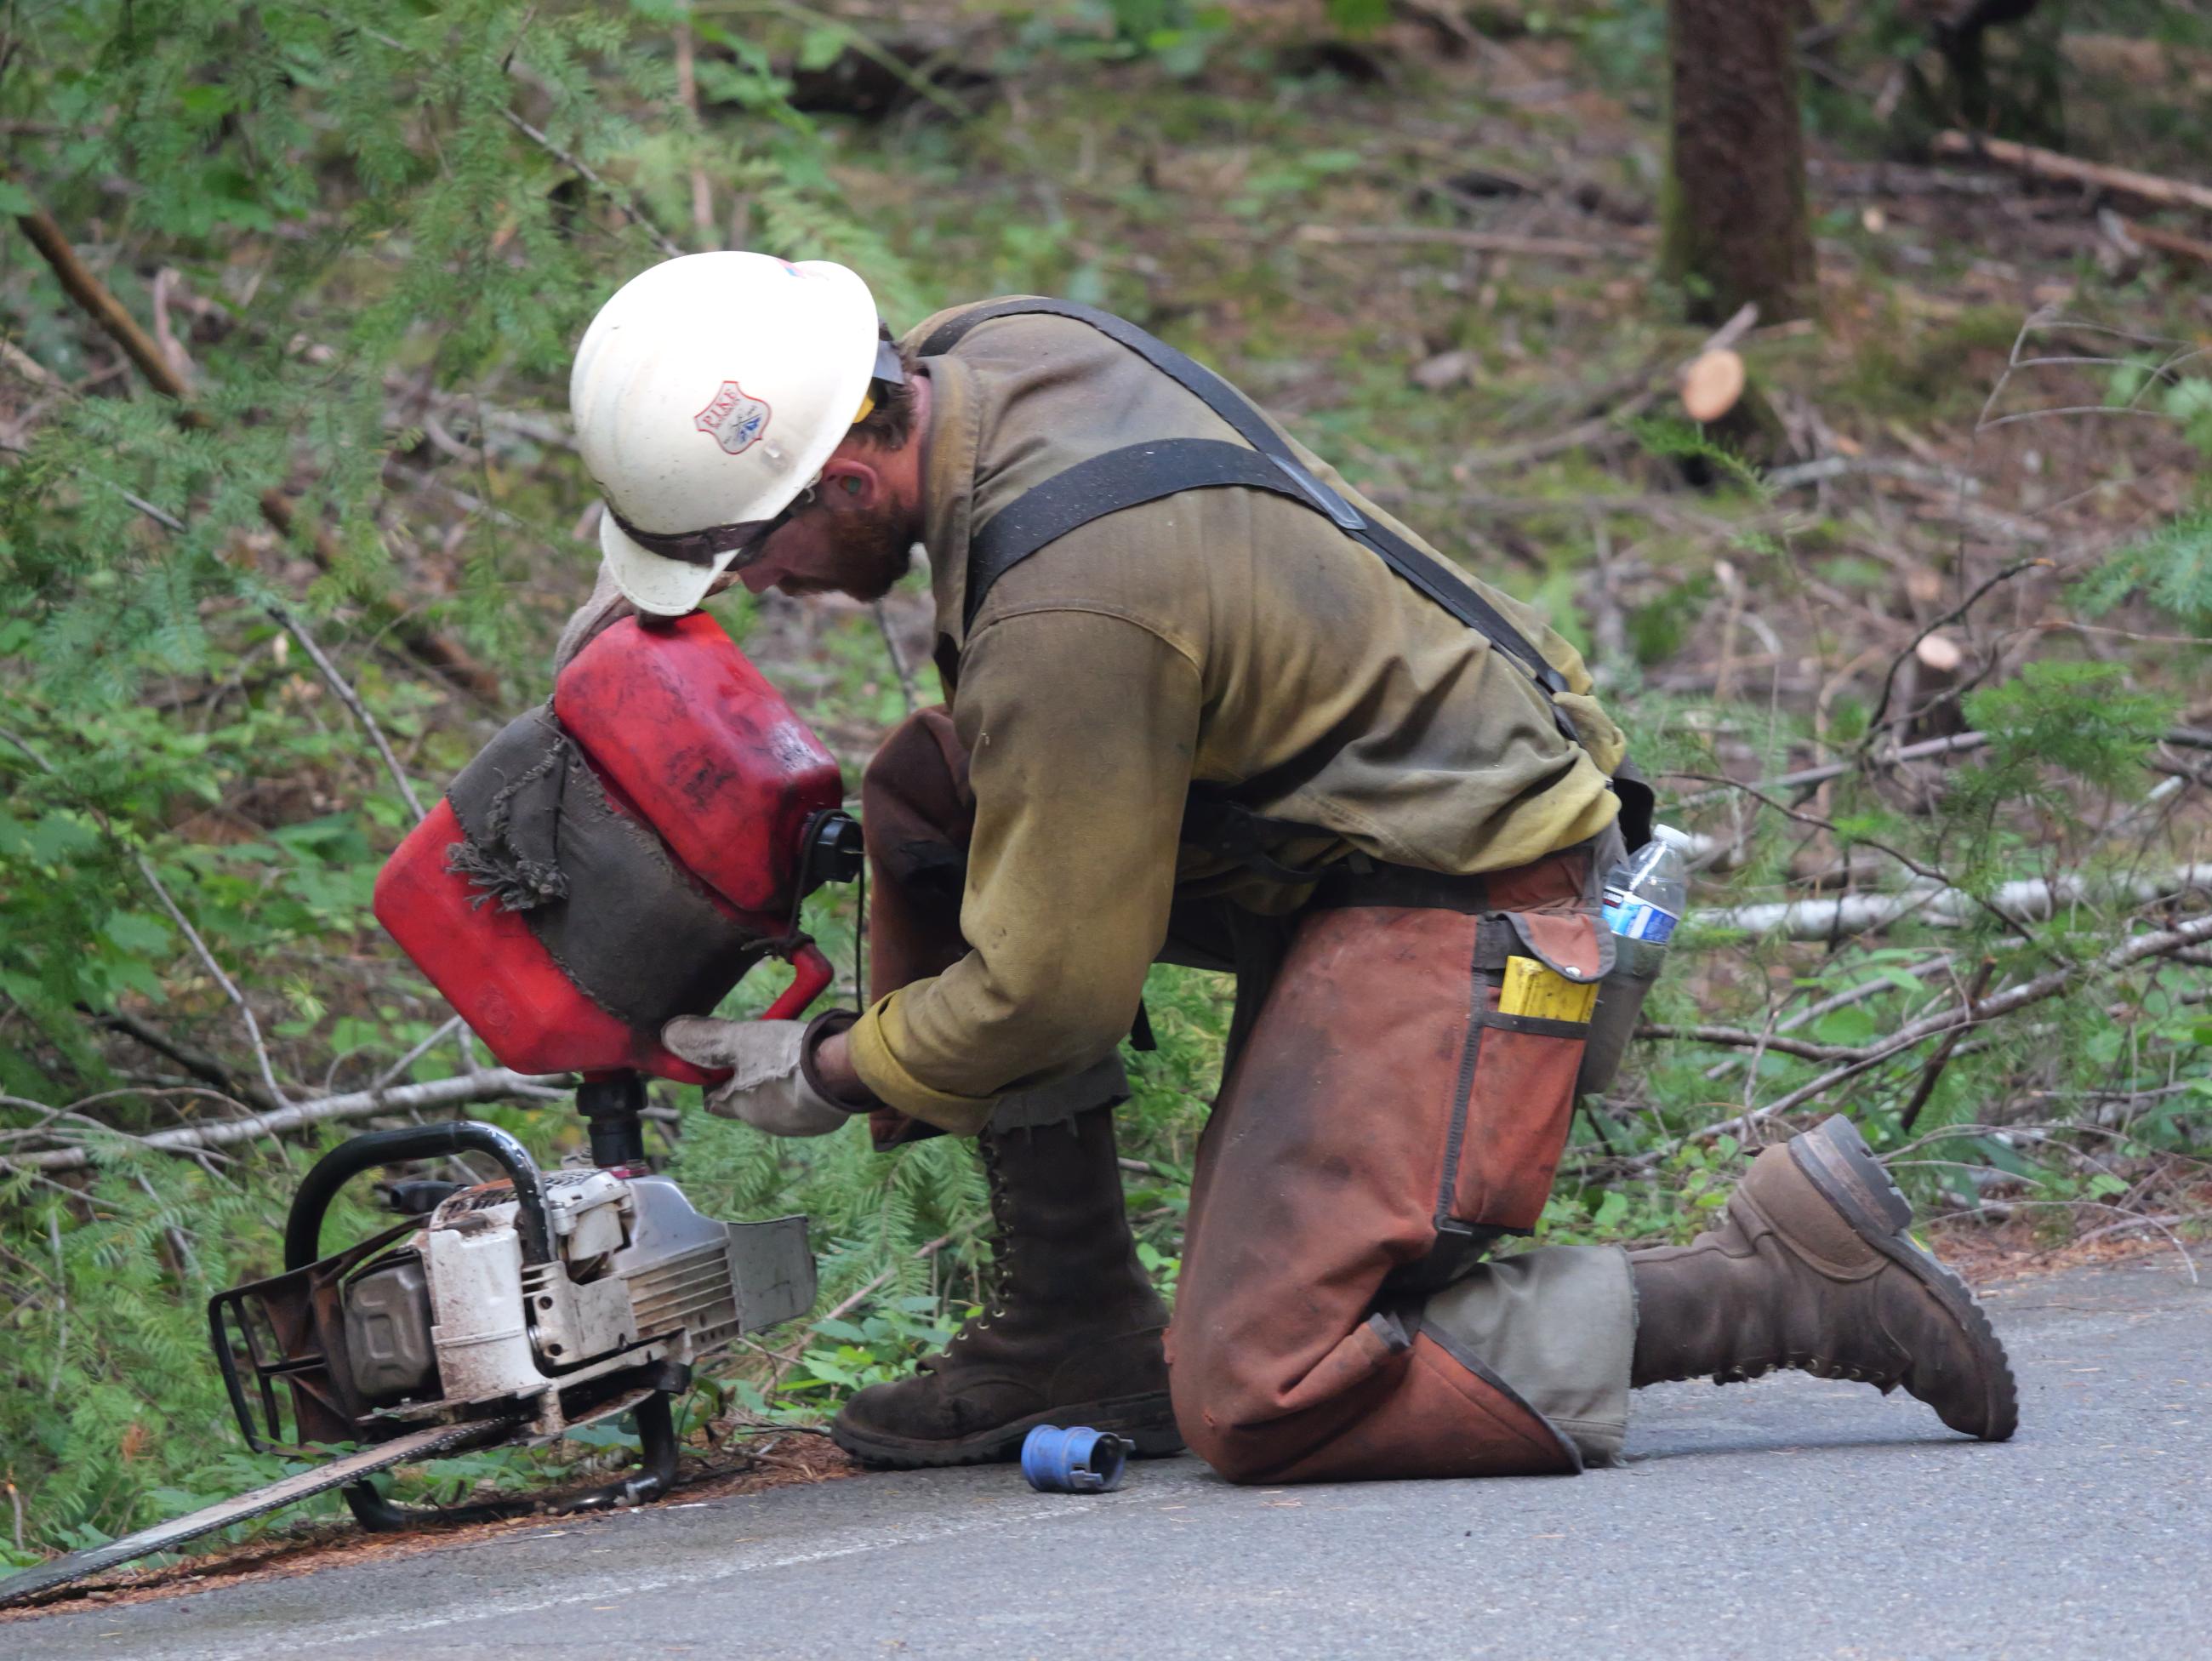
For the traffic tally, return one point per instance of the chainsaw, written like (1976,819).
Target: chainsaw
(620,857)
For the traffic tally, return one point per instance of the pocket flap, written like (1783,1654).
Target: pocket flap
(1575,944)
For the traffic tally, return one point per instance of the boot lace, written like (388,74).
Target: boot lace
(1820,1366)
(1001,1239)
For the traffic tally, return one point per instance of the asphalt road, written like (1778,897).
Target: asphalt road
(1787,1518)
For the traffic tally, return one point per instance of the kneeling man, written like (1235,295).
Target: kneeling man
(1207,705)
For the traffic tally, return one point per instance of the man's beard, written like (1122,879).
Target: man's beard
(872,552)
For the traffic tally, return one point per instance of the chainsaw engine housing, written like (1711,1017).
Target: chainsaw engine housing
(547,1295)
(456,1316)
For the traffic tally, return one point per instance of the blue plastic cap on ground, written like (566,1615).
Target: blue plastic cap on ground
(1077,1460)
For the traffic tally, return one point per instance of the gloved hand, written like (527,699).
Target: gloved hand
(767,1086)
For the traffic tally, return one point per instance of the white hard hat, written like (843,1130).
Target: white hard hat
(707,394)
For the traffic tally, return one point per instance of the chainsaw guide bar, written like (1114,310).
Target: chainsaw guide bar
(427,1443)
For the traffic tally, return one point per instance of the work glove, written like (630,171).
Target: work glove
(767,1086)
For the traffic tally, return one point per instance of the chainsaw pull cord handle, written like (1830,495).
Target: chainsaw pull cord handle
(303,1227)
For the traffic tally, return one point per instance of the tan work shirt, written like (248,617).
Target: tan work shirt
(1227,637)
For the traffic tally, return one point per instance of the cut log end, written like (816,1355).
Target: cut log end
(1940,652)
(1713,384)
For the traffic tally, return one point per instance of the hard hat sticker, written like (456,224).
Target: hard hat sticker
(735,420)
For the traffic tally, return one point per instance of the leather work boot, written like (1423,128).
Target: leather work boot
(1811,1268)
(1072,1337)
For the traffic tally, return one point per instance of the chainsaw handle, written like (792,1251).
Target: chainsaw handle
(811,976)
(303,1228)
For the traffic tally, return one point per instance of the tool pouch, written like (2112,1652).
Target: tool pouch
(1533,975)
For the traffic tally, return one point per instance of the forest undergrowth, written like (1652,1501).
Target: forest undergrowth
(1912,641)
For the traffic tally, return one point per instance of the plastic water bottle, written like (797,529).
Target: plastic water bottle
(1644,893)
(1643,901)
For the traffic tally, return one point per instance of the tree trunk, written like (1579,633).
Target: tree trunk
(2016,90)
(1735,225)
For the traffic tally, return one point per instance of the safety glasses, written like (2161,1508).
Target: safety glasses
(746,540)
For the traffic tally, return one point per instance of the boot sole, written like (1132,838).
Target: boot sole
(1147,1420)
(1836,1160)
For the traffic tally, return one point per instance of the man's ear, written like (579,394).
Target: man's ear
(849,482)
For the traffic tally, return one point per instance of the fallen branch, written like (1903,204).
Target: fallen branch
(2166,372)
(2171,243)
(1934,1070)
(2071,170)
(2183,738)
(201,1065)
(1737,1037)
(1931,874)
(2163,942)
(1828,1005)
(1829,467)
(1894,179)
(492,1084)
(2003,1209)
(207,957)
(1806,778)
(2033,899)
(101,306)
(451,1025)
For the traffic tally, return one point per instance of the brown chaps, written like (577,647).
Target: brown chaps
(1380,1123)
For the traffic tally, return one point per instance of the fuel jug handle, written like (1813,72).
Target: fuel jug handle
(811,976)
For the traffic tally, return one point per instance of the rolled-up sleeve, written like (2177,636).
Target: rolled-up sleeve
(1081,727)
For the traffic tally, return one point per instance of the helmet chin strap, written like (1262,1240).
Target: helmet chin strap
(698,547)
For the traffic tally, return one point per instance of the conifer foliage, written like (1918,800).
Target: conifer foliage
(356,243)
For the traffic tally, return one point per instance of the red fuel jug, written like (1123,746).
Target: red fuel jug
(668,763)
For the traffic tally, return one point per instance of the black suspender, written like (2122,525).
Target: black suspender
(1106,484)
(1145,472)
